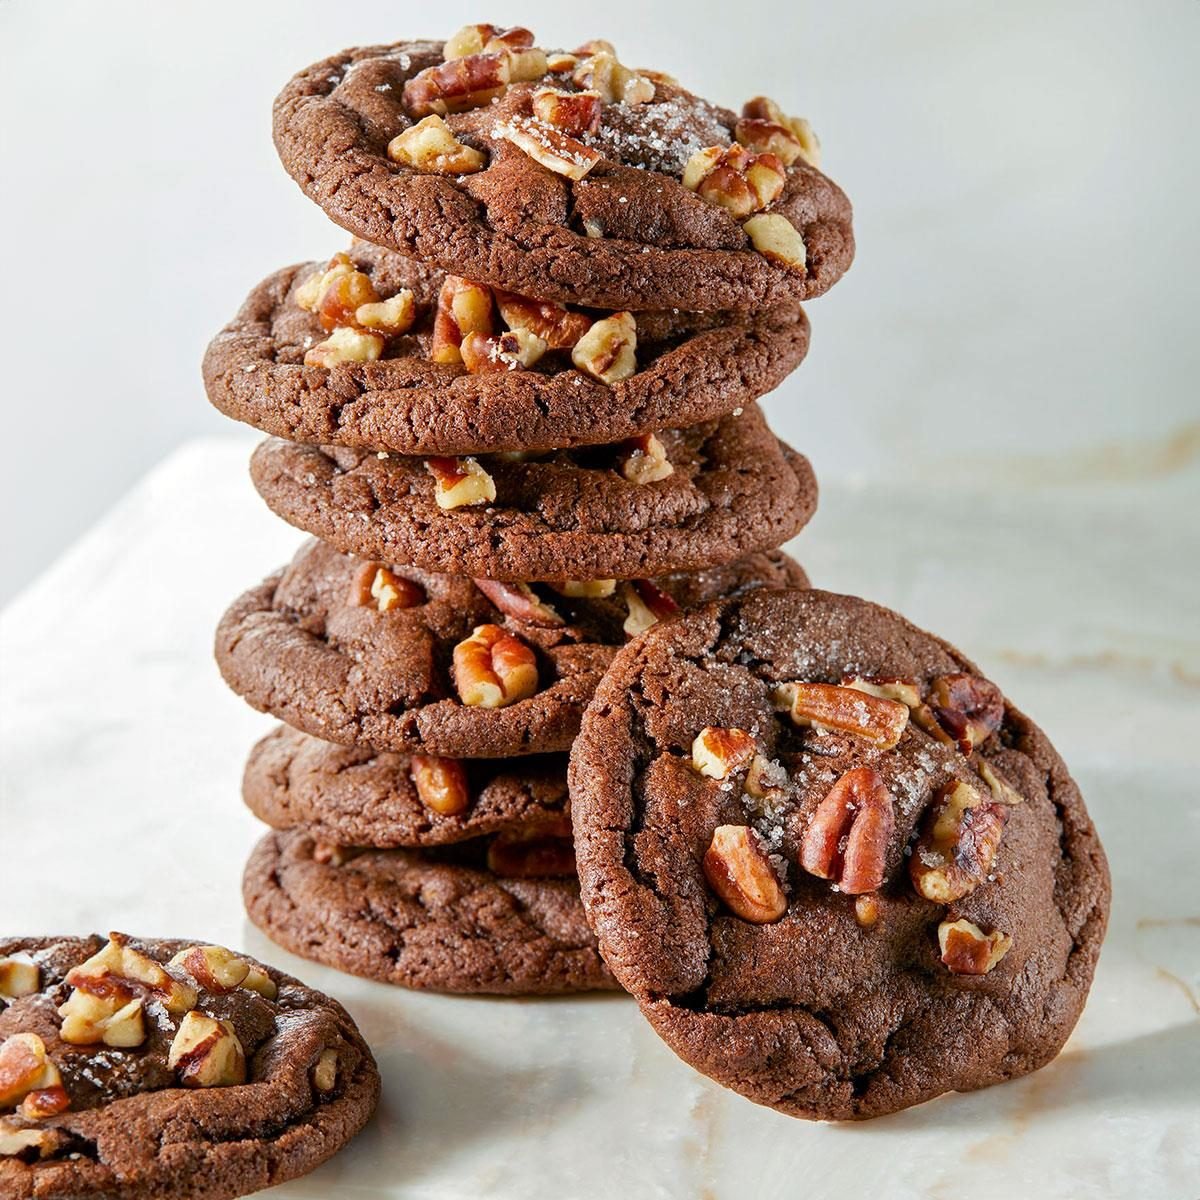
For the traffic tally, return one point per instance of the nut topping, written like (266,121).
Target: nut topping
(765,779)
(647,606)
(777,239)
(717,753)
(1003,792)
(905,691)
(738,870)
(345,345)
(441,784)
(19,976)
(430,145)
(957,846)
(460,482)
(584,589)
(602,73)
(608,351)
(22,1065)
(967,950)
(206,1053)
(463,307)
(848,836)
(309,294)
(458,85)
(379,587)
(512,350)
(325,1070)
(555,324)
(214,968)
(575,113)
(762,112)
(963,711)
(828,706)
(531,856)
(866,910)
(475,39)
(493,669)
(737,180)
(644,460)
(342,297)
(389,317)
(551,147)
(519,601)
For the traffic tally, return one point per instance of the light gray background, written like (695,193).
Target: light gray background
(1025,178)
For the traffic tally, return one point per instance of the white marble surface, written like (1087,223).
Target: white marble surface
(121,753)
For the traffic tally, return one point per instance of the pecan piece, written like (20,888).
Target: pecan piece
(206,1052)
(519,601)
(717,753)
(463,307)
(575,113)
(602,73)
(345,345)
(460,482)
(777,239)
(22,1063)
(512,350)
(325,1071)
(441,784)
(549,146)
(958,842)
(19,976)
(848,835)
(380,587)
(878,721)
(644,460)
(647,605)
(608,351)
(963,711)
(764,118)
(458,85)
(493,669)
(886,687)
(430,145)
(739,871)
(584,589)
(741,182)
(967,950)
(214,968)
(555,324)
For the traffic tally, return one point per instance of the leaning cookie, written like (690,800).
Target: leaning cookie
(840,873)
(144,1068)
(565,176)
(500,917)
(374,350)
(355,796)
(363,653)
(680,500)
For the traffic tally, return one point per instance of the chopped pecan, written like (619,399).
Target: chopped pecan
(460,482)
(430,145)
(379,587)
(512,350)
(765,778)
(519,601)
(19,976)
(214,968)
(958,842)
(389,317)
(608,351)
(737,180)
(848,835)
(967,950)
(206,1052)
(1002,791)
(561,63)
(555,324)
(492,668)
(886,687)
(828,706)
(602,73)
(549,146)
(463,307)
(739,871)
(441,784)
(345,345)
(866,910)
(341,299)
(308,294)
(762,112)
(23,1064)
(717,753)
(475,39)
(575,113)
(458,85)
(777,239)
(963,711)
(644,460)
(647,606)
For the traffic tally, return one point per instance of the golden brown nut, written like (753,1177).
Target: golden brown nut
(849,833)
(389,317)
(741,182)
(829,706)
(463,307)
(555,324)
(460,482)
(325,1070)
(492,668)
(798,129)
(739,871)
(441,784)
(345,345)
(608,351)
(379,587)
(460,84)
(519,601)
(602,73)
(206,1053)
(647,605)
(214,968)
(777,239)
(512,350)
(551,147)
(19,976)
(584,589)
(644,460)
(717,753)
(886,687)
(967,950)
(575,113)
(957,844)
(963,711)
(430,146)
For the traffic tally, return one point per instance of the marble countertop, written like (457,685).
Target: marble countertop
(121,753)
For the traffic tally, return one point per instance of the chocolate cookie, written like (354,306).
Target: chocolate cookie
(840,873)
(147,1068)
(733,489)
(314,647)
(423,920)
(353,796)
(567,177)
(418,398)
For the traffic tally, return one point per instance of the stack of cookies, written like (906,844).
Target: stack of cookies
(836,869)
(518,415)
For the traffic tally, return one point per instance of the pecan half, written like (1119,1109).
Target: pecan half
(967,950)
(829,706)
(493,669)
(957,844)
(848,835)
(739,871)
(441,784)
(458,85)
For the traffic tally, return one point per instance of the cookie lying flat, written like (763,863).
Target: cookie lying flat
(353,796)
(708,494)
(577,181)
(410,918)
(149,1068)
(395,384)
(839,872)
(362,654)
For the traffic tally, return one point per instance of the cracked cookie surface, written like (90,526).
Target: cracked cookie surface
(424,920)
(301,647)
(305,1086)
(842,1002)
(734,489)
(691,368)
(514,223)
